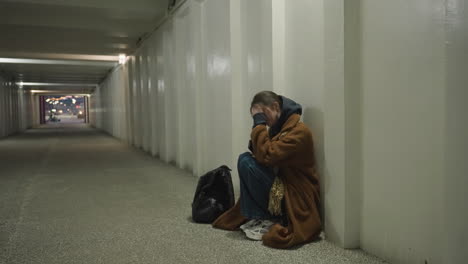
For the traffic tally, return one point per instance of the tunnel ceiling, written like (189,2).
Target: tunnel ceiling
(80,39)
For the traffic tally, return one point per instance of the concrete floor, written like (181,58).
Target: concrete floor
(70,194)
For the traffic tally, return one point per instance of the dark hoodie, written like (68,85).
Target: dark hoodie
(288,107)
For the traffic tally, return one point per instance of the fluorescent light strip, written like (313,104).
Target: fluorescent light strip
(59,56)
(56,84)
(58,92)
(59,62)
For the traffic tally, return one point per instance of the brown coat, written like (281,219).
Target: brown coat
(292,151)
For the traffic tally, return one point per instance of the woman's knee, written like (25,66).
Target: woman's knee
(245,161)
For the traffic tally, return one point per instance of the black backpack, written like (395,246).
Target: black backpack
(214,195)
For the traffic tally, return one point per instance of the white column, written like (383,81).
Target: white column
(342,129)
(456,132)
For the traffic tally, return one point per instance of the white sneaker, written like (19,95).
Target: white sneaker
(256,232)
(249,224)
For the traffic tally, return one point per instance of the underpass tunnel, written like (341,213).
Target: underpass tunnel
(111,111)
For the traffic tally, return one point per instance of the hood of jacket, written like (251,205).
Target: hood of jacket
(288,108)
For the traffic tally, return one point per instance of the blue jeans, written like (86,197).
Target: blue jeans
(255,185)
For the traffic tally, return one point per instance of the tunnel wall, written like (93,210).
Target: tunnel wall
(412,86)
(403,121)
(14,102)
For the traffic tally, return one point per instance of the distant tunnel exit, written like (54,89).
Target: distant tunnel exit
(69,109)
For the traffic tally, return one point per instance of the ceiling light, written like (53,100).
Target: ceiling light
(122,58)
(56,84)
(38,91)
(59,62)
